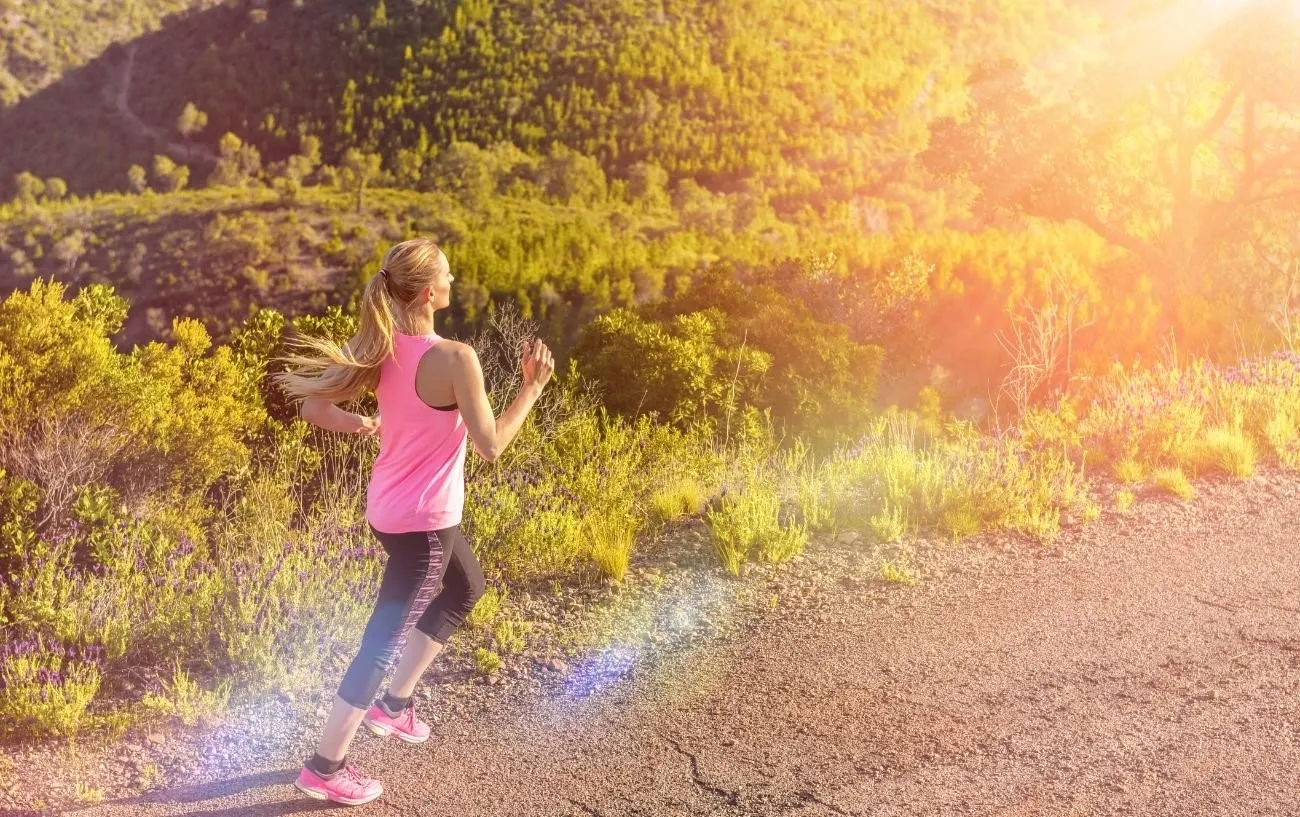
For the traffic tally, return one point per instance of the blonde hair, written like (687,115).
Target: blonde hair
(344,373)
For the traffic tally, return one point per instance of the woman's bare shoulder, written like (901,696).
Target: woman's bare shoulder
(451,353)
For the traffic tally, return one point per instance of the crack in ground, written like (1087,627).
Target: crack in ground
(730,796)
(1231,608)
(806,796)
(593,812)
(404,810)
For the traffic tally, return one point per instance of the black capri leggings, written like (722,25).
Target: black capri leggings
(416,563)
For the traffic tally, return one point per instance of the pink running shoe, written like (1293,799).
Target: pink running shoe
(405,725)
(347,786)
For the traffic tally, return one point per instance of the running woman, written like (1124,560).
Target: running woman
(431,396)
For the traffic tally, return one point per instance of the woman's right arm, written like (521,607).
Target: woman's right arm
(326,414)
(322,413)
(491,435)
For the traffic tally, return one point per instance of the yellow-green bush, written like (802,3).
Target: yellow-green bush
(74,411)
(1201,416)
(183,699)
(46,687)
(529,513)
(486,661)
(1223,450)
(611,537)
(681,497)
(1129,471)
(955,484)
(511,635)
(1173,481)
(889,525)
(487,608)
(751,522)
(898,571)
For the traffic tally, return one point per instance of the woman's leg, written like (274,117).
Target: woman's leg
(462,585)
(415,564)
(340,728)
(416,658)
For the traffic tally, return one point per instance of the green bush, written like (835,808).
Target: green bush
(682,371)
(751,523)
(45,688)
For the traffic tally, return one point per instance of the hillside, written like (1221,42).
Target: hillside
(834,104)
(219,254)
(41,40)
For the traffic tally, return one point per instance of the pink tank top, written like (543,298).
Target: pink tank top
(417,483)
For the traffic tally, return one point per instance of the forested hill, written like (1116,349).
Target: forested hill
(821,98)
(40,39)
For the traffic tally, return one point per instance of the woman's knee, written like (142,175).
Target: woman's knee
(475,586)
(465,592)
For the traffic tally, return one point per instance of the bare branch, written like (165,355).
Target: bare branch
(1118,237)
(61,456)
(1211,126)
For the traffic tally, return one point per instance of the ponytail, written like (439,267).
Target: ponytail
(341,374)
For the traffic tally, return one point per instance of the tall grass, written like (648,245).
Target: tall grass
(899,482)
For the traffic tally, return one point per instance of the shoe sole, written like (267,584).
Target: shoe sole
(385,731)
(317,794)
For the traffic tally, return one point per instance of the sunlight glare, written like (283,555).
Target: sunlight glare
(1231,7)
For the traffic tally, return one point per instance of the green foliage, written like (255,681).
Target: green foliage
(1225,450)
(169,177)
(487,608)
(751,523)
(531,513)
(727,344)
(191,121)
(681,497)
(28,188)
(357,171)
(820,383)
(890,524)
(183,699)
(811,488)
(897,481)
(898,571)
(511,635)
(137,179)
(486,661)
(1129,471)
(683,372)
(160,418)
(45,688)
(1173,481)
(239,164)
(612,537)
(1202,416)
(55,189)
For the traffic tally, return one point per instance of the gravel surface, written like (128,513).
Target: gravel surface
(1146,664)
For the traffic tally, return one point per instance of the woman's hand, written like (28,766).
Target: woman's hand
(369,426)
(537,364)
